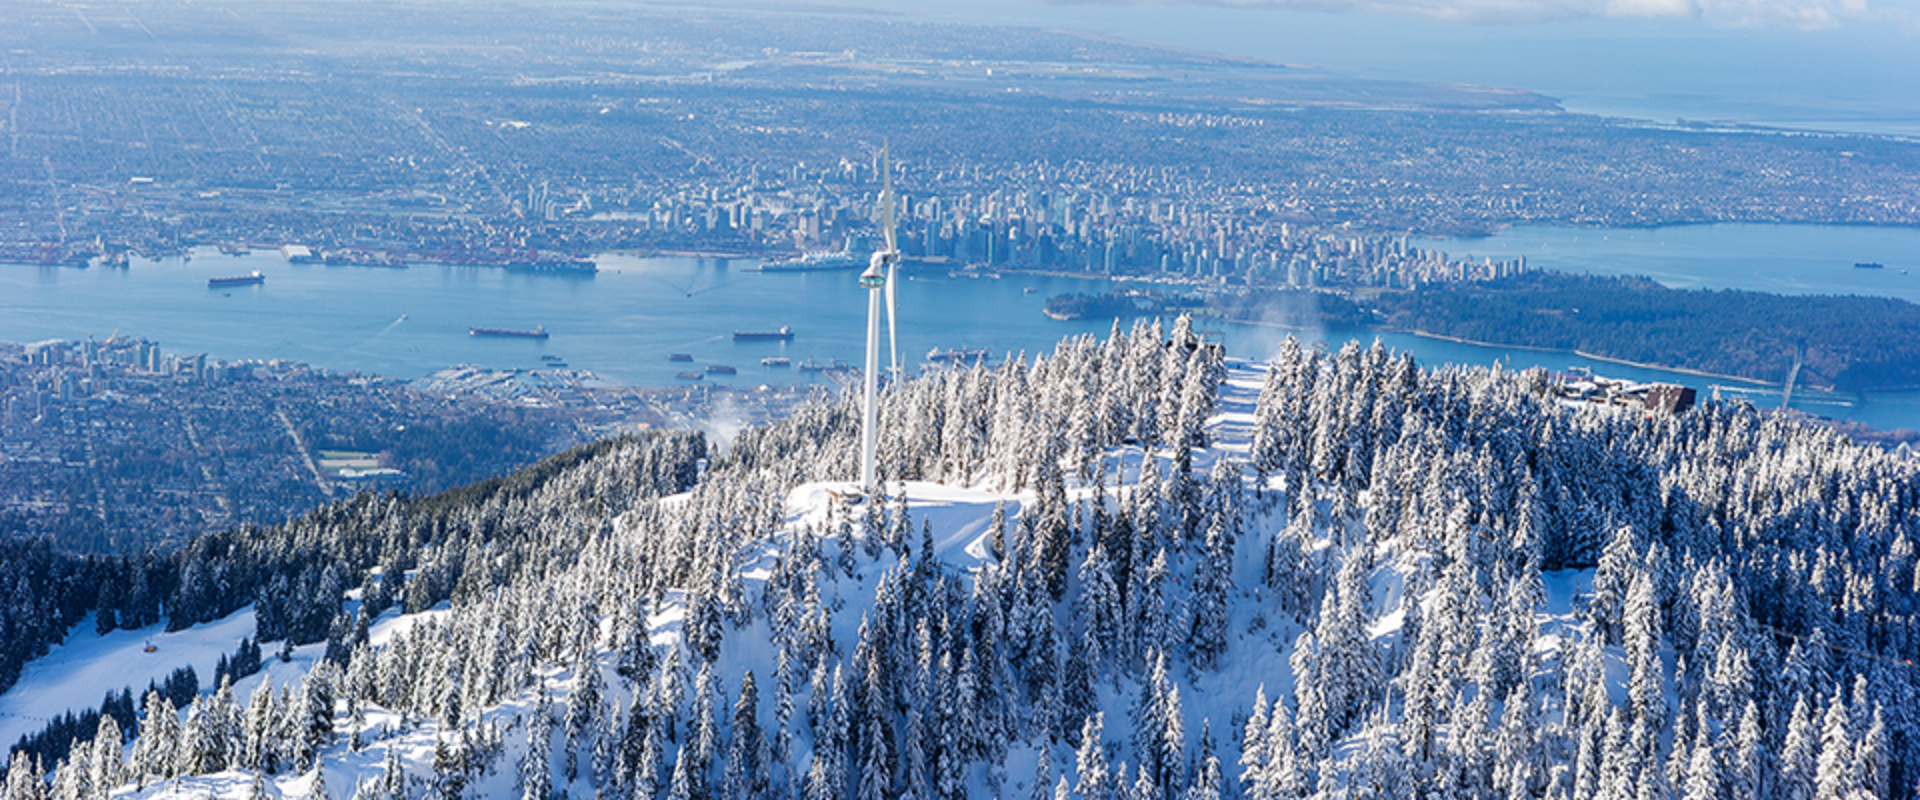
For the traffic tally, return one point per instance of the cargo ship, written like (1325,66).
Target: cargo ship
(721,369)
(688,376)
(539,332)
(785,334)
(1869,265)
(237,280)
(679,357)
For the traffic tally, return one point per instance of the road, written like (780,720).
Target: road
(306,456)
(1793,376)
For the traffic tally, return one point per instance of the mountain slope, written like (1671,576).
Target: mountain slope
(1143,570)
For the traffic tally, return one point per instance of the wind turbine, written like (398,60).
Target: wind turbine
(874,280)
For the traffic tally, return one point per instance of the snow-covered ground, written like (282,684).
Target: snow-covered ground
(75,675)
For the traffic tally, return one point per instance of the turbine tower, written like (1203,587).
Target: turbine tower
(880,275)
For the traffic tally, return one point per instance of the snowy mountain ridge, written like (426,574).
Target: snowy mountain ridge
(1334,575)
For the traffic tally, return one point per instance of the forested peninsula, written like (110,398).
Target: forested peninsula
(1849,343)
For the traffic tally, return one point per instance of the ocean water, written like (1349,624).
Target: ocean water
(1783,259)
(622,322)
(1734,62)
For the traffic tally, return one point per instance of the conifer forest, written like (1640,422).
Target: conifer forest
(1134,568)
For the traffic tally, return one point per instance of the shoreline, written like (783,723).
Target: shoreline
(1593,356)
(1266,324)
(1538,349)
(711,254)
(1685,371)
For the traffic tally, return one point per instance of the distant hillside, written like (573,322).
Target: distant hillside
(296,574)
(1850,343)
(1129,569)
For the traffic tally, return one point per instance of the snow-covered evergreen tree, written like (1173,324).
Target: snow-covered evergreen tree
(536,767)
(1411,554)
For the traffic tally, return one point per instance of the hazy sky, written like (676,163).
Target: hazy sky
(1830,64)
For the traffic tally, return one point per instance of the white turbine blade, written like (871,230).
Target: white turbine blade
(886,199)
(893,334)
(869,425)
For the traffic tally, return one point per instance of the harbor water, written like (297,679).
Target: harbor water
(622,322)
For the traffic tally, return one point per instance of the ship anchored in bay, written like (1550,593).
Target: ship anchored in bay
(256,277)
(784,334)
(539,332)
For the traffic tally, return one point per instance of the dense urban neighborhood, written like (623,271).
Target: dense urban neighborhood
(111,446)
